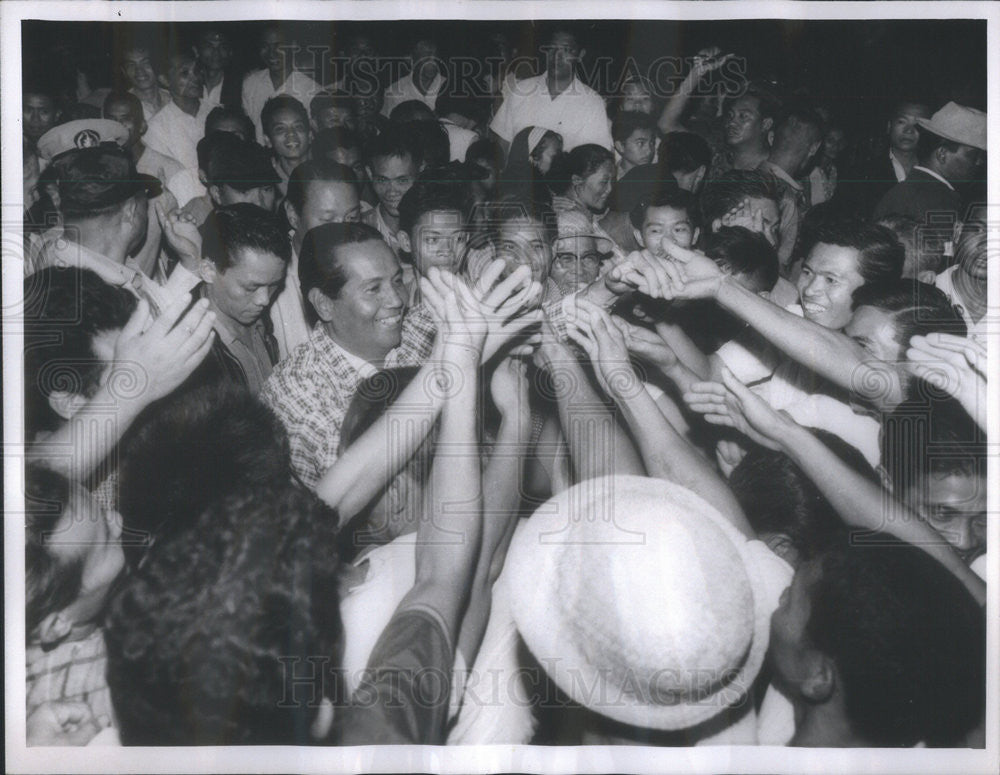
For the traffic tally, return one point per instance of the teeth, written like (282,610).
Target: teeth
(391,321)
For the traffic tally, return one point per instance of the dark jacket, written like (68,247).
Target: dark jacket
(917,196)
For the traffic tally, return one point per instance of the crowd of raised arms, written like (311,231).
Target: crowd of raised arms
(536,415)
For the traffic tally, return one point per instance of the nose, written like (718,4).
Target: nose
(811,289)
(262,296)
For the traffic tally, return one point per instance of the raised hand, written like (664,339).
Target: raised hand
(700,276)
(707,60)
(734,405)
(594,330)
(61,723)
(152,359)
(508,308)
(954,364)
(509,387)
(647,344)
(182,235)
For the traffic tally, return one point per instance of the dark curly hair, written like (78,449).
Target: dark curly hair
(190,451)
(908,641)
(225,636)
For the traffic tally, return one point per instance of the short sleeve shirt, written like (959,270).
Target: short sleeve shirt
(578,113)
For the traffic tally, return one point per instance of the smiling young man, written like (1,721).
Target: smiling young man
(137,67)
(393,165)
(287,134)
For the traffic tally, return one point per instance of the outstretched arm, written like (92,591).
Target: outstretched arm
(705,62)
(859,501)
(665,453)
(829,353)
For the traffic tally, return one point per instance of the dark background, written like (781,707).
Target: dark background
(852,67)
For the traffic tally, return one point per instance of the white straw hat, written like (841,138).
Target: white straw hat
(959,124)
(641,601)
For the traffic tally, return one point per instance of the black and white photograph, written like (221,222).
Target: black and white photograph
(500,387)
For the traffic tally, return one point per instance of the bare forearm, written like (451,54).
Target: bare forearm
(862,503)
(670,118)
(687,352)
(667,455)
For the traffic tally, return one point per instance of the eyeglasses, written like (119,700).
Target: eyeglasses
(568,260)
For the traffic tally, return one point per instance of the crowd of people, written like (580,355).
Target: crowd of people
(528,415)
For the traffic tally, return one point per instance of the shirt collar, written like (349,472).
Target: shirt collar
(334,351)
(933,174)
(778,172)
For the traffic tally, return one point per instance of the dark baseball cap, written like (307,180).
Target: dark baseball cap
(227,159)
(91,179)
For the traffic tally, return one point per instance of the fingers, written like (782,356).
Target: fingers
(433,299)
(196,330)
(137,323)
(676,252)
(194,359)
(735,386)
(168,317)
(515,281)
(489,277)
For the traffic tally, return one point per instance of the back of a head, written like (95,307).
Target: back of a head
(224,114)
(797,126)
(722,195)
(191,451)
(202,637)
(411,110)
(907,639)
(316,170)
(924,244)
(64,309)
(739,251)
(880,254)
(917,309)
(683,152)
(327,141)
(236,227)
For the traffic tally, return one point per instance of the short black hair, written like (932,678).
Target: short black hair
(930,435)
(327,141)
(880,255)
(794,120)
(427,196)
(723,194)
(683,152)
(628,121)
(226,113)
(393,142)
(316,170)
(927,242)
(189,451)
(411,110)
(123,96)
(779,497)
(209,639)
(516,207)
(739,251)
(281,102)
(907,639)
(582,161)
(488,150)
(666,196)
(50,584)
(319,266)
(242,225)
(916,308)
(324,101)
(64,310)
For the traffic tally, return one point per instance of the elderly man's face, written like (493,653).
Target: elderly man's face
(576,263)
(185,78)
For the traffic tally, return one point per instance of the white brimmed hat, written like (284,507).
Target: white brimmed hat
(640,600)
(959,124)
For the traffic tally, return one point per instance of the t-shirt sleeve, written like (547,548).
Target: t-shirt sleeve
(503,121)
(404,696)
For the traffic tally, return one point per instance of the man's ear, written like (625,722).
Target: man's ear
(143,126)
(207,270)
(161,80)
(66,404)
(404,241)
(699,176)
(619,146)
(576,180)
(695,235)
(267,141)
(322,303)
(814,148)
(53,629)
(638,237)
(767,124)
(291,215)
(715,226)
(821,681)
(926,276)
(781,544)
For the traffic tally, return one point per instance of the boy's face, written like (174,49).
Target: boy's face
(903,128)
(392,177)
(638,148)
(438,239)
(138,68)
(666,224)
(288,134)
(744,122)
(955,506)
(789,648)
(636,99)
(92,532)
(829,276)
(522,242)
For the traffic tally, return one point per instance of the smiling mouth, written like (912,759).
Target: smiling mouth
(391,322)
(811,308)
